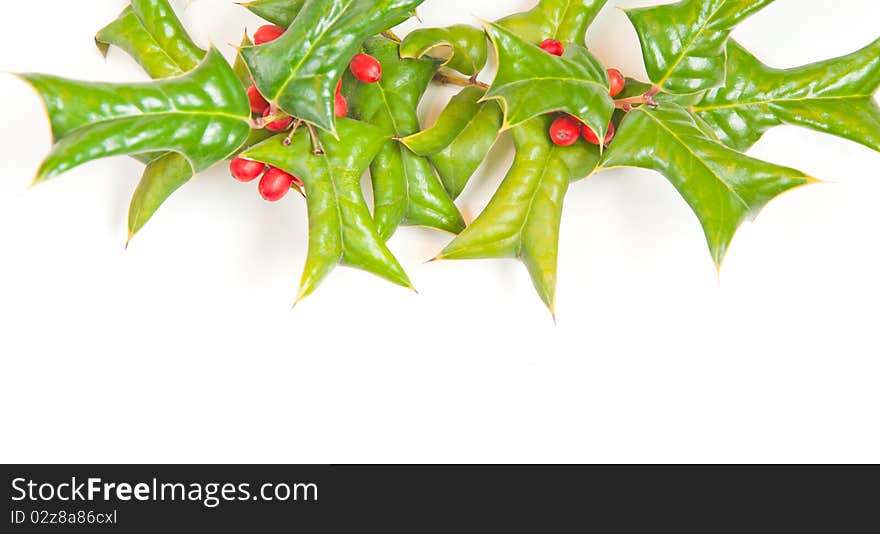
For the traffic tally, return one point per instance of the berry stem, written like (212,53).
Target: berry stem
(316,144)
(449,77)
(289,139)
(627,104)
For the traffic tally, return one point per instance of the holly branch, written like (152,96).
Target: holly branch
(326,90)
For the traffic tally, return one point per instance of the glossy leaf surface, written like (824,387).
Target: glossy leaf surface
(341,230)
(461,47)
(563,20)
(162,177)
(522,219)
(203,116)
(834,96)
(684,43)
(461,138)
(531,82)
(405,186)
(280,12)
(722,186)
(240,67)
(150,32)
(299,70)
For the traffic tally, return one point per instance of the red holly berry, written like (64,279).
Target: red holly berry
(275,184)
(618,82)
(591,137)
(565,130)
(278,125)
(258,104)
(552,46)
(366,68)
(245,170)
(339,86)
(268,33)
(341,106)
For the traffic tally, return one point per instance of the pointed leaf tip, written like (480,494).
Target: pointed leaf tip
(723,187)
(683,43)
(832,96)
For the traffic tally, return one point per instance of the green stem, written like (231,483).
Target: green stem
(627,104)
(450,77)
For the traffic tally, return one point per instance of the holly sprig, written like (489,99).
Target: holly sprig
(326,92)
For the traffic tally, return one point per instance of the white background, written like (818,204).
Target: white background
(185,348)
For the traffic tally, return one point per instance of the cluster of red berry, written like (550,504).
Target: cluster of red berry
(275,183)
(566,130)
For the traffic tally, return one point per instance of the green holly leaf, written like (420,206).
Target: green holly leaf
(722,186)
(150,32)
(684,43)
(833,96)
(162,177)
(461,47)
(461,138)
(279,12)
(203,115)
(240,67)
(568,22)
(531,82)
(564,20)
(406,188)
(299,71)
(341,230)
(522,220)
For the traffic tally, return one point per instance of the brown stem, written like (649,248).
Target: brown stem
(316,144)
(289,139)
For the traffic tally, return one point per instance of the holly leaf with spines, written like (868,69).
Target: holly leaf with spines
(530,82)
(567,21)
(722,186)
(684,43)
(522,220)
(134,32)
(203,115)
(341,230)
(406,188)
(460,139)
(460,47)
(299,71)
(278,12)
(564,20)
(703,114)
(834,96)
(150,32)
